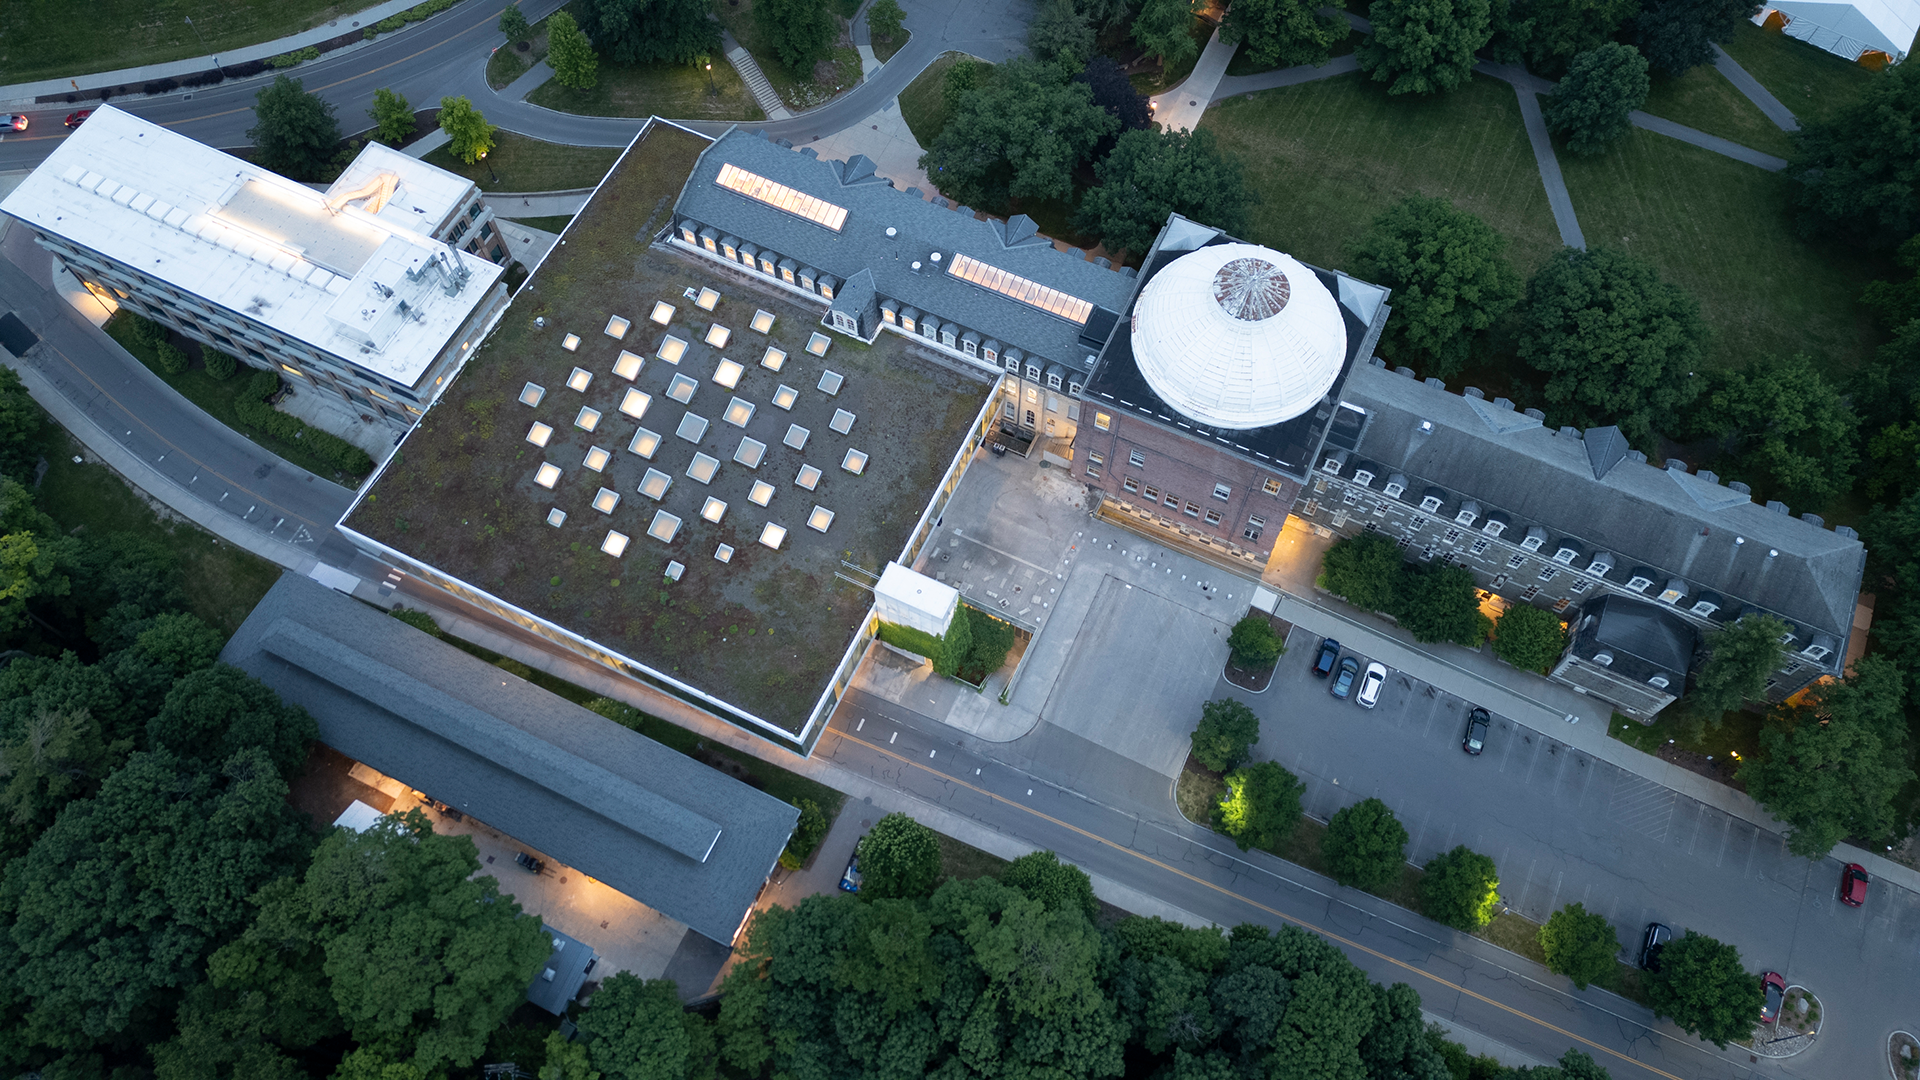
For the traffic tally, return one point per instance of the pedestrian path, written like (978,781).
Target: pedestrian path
(1724,147)
(1782,116)
(756,80)
(1181,107)
(1559,200)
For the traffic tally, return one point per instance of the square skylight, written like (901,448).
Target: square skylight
(615,544)
(539,433)
(855,462)
(672,349)
(718,336)
(587,418)
(605,500)
(674,569)
(796,436)
(707,299)
(714,510)
(665,527)
(547,475)
(531,394)
(819,519)
(628,366)
(644,443)
(728,373)
(762,493)
(842,421)
(654,485)
(738,412)
(682,387)
(773,535)
(774,359)
(597,459)
(703,467)
(634,403)
(809,477)
(556,517)
(750,452)
(662,312)
(580,379)
(785,397)
(817,344)
(692,428)
(617,327)
(763,321)
(570,342)
(723,553)
(831,382)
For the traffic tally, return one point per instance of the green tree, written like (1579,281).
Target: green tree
(1227,732)
(1114,93)
(1897,302)
(1832,767)
(1254,641)
(1450,278)
(1363,569)
(368,1064)
(51,759)
(1424,46)
(392,115)
(635,32)
(1788,428)
(1164,28)
(1105,14)
(1856,173)
(1678,35)
(294,132)
(1018,135)
(1365,846)
(34,557)
(808,831)
(1060,886)
(1283,33)
(221,366)
(219,710)
(1528,637)
(1058,34)
(1151,174)
(1440,603)
(180,641)
(639,1031)
(885,19)
(1261,805)
(1591,106)
(20,421)
(1548,34)
(468,129)
(1740,656)
(963,78)
(1703,987)
(575,64)
(1617,344)
(801,32)
(513,23)
(899,857)
(1579,944)
(1461,888)
(569,1060)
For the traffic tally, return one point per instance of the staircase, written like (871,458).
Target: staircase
(756,81)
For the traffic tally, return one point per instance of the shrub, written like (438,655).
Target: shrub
(899,859)
(146,332)
(1225,737)
(219,365)
(1365,846)
(1253,642)
(1579,944)
(807,832)
(1261,806)
(992,641)
(289,59)
(1060,886)
(419,620)
(1460,889)
(171,358)
(252,409)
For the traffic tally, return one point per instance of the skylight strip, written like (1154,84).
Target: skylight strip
(1050,300)
(781,197)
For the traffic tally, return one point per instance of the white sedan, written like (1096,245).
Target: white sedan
(1370,684)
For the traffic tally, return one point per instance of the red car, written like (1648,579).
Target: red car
(75,119)
(1853,885)
(1775,990)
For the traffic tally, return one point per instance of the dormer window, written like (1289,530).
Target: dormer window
(1053,380)
(1604,659)
(1013,364)
(1565,556)
(1601,563)
(1331,465)
(1494,527)
(1469,513)
(1431,499)
(1363,478)
(1396,485)
(1704,608)
(1536,536)
(1638,583)
(1659,681)
(1673,592)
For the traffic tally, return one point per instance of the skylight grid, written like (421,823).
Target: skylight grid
(1053,301)
(781,197)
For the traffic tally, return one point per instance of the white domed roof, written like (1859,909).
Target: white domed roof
(1238,336)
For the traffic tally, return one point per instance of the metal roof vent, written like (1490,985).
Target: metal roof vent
(892,232)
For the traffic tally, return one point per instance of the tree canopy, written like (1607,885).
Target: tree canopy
(899,858)
(575,65)
(1591,107)
(1060,34)
(1362,569)
(513,23)
(1579,944)
(884,19)
(1283,33)
(801,32)
(470,134)
(1060,886)
(1678,35)
(638,1030)
(1703,987)
(1461,889)
(1548,34)
(1254,642)
(392,115)
(1020,134)
(632,32)
(1151,174)
(1450,278)
(1227,732)
(1114,92)
(1260,806)
(1365,846)
(294,132)
(1439,603)
(1424,46)
(1164,28)
(1740,656)
(1857,172)
(1786,428)
(1530,638)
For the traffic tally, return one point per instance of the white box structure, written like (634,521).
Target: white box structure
(909,598)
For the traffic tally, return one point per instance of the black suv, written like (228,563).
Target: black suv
(1329,654)
(1476,737)
(1656,938)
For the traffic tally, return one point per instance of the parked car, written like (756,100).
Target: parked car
(1477,724)
(528,863)
(1370,684)
(1655,939)
(1329,653)
(1853,885)
(1775,989)
(850,879)
(16,122)
(1343,682)
(75,119)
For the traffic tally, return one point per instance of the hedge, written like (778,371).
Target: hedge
(289,59)
(413,14)
(252,408)
(807,834)
(947,653)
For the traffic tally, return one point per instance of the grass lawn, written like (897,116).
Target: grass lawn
(673,90)
(1704,99)
(222,582)
(1326,157)
(518,163)
(800,90)
(884,48)
(1812,82)
(217,396)
(1720,229)
(964,862)
(1242,62)
(1724,747)
(554,224)
(508,62)
(923,105)
(44,40)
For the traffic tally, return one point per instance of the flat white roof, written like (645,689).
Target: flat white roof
(916,591)
(369,288)
(424,197)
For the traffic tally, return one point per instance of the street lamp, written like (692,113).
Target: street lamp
(490,172)
(203,40)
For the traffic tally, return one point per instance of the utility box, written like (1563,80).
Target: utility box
(911,599)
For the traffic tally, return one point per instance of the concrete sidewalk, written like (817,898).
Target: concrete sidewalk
(1181,106)
(1782,116)
(1723,147)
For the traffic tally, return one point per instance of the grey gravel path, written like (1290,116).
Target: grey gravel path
(1750,86)
(1708,142)
(1558,200)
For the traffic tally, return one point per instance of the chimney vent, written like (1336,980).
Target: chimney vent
(1711,478)
(1474,392)
(1735,485)
(1779,507)
(1503,404)
(1567,432)
(1536,414)
(1437,384)
(1815,520)
(1676,464)
(1403,370)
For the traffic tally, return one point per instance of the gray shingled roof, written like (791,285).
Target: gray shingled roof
(679,837)
(921,227)
(1681,524)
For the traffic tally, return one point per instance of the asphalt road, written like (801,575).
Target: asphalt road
(1564,827)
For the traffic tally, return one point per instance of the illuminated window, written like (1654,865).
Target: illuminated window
(782,197)
(1102,421)
(1071,308)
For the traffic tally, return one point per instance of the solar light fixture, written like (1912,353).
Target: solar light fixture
(819,519)
(665,527)
(796,436)
(808,477)
(605,500)
(831,381)
(570,342)
(674,569)
(703,467)
(842,421)
(728,373)
(762,493)
(714,510)
(597,459)
(750,452)
(718,336)
(692,428)
(587,418)
(785,397)
(681,388)
(634,403)
(855,462)
(773,535)
(708,298)
(723,553)
(763,321)
(556,517)
(817,344)
(644,443)
(774,358)
(738,412)
(672,349)
(654,485)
